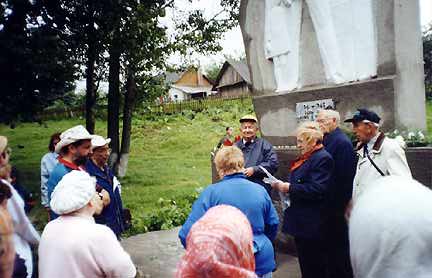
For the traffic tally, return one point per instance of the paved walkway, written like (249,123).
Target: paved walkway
(156,255)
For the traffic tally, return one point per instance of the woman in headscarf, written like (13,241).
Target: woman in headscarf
(73,245)
(390,230)
(251,198)
(309,180)
(219,246)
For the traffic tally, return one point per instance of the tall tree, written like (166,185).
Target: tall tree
(427,56)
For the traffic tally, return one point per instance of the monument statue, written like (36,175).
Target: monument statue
(345,34)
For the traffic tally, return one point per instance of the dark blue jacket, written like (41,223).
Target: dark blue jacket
(308,193)
(341,149)
(112,215)
(235,190)
(259,153)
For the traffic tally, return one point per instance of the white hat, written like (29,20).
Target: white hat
(74,191)
(72,135)
(99,141)
(3,143)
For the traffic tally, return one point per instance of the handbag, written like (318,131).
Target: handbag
(127,219)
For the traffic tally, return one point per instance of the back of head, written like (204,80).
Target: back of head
(391,230)
(73,192)
(229,159)
(219,245)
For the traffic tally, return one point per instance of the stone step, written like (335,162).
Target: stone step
(156,255)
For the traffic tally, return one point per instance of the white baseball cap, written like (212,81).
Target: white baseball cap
(99,141)
(72,135)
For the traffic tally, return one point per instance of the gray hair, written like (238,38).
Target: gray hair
(333,114)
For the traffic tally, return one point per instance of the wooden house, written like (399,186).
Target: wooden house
(233,79)
(192,84)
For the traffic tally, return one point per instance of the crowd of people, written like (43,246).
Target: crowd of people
(352,210)
(340,195)
(82,198)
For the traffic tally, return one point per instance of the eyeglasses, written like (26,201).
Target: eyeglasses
(101,150)
(100,195)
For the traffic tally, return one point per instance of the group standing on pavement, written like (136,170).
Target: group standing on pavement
(335,194)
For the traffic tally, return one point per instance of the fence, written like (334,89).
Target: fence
(164,108)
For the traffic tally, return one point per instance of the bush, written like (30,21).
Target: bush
(169,214)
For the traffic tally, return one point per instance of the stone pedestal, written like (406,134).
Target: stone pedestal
(396,94)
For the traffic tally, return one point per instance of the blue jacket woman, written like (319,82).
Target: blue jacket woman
(304,219)
(251,198)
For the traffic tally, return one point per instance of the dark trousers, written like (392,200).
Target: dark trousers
(338,260)
(312,257)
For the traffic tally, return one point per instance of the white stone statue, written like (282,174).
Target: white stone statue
(345,35)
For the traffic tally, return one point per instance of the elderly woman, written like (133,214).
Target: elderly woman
(73,245)
(308,185)
(112,214)
(219,246)
(251,198)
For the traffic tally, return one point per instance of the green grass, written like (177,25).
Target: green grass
(429,117)
(170,155)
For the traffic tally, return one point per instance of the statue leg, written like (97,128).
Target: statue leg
(365,46)
(286,66)
(322,19)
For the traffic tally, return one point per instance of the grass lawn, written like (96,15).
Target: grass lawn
(170,155)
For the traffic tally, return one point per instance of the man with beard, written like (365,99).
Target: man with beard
(73,148)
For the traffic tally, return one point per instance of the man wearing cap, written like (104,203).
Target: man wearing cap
(257,152)
(73,245)
(378,155)
(73,149)
(337,143)
(97,166)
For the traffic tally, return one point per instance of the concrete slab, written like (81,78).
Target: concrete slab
(156,255)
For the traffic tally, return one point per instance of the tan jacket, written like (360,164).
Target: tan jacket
(388,155)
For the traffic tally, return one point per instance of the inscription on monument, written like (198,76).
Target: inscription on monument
(308,110)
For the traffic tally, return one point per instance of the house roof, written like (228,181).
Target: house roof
(192,89)
(239,66)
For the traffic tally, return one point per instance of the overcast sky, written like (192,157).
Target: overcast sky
(232,42)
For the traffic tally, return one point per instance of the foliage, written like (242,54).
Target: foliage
(169,213)
(212,71)
(412,138)
(36,65)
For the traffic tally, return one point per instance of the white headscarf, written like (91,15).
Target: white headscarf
(390,230)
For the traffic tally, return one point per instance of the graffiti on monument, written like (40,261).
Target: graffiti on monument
(308,110)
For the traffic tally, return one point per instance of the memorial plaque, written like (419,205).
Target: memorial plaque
(308,110)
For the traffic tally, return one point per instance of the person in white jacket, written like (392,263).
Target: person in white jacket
(378,155)
(390,230)
(24,232)
(73,245)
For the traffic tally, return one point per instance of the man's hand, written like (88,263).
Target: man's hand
(248,171)
(106,198)
(281,186)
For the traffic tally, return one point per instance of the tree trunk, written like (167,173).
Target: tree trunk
(90,87)
(114,97)
(129,104)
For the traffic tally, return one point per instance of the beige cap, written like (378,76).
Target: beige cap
(248,118)
(72,135)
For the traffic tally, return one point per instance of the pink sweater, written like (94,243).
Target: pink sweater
(75,246)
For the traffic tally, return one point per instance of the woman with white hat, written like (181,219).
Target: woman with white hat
(73,245)
(97,166)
